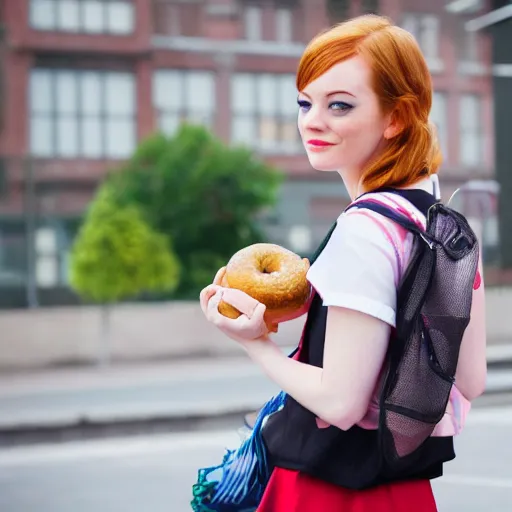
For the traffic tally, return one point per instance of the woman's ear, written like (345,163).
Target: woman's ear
(395,126)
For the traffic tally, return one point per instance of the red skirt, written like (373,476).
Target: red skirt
(292,491)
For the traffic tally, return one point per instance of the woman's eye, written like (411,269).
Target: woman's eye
(340,106)
(304,105)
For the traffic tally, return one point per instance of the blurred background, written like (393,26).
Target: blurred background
(142,143)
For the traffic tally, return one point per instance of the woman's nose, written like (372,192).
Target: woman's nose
(314,120)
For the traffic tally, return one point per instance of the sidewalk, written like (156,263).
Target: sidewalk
(147,392)
(170,391)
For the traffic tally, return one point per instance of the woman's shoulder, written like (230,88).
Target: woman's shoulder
(364,223)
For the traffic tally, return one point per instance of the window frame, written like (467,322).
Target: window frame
(417,23)
(56,25)
(250,33)
(183,113)
(284,16)
(80,116)
(474,131)
(443,133)
(282,146)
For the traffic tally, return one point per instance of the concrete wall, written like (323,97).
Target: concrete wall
(73,335)
(52,336)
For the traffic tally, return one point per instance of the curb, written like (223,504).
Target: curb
(499,355)
(159,418)
(93,426)
(103,420)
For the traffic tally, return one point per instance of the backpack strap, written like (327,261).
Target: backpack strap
(393,215)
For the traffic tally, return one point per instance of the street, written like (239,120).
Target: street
(155,473)
(167,390)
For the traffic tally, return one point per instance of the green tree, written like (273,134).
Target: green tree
(203,194)
(117,255)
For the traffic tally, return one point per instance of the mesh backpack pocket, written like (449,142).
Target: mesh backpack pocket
(433,310)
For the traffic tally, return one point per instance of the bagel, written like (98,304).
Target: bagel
(270,274)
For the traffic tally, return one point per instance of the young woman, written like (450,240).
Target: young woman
(364,99)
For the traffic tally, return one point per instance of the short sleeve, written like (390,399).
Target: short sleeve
(358,268)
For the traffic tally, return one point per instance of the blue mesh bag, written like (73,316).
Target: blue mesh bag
(237,484)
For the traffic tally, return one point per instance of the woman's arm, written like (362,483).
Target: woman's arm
(471,374)
(355,348)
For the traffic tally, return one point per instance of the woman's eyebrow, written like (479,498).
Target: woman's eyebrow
(341,92)
(332,93)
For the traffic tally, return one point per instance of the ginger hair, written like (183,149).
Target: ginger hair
(402,82)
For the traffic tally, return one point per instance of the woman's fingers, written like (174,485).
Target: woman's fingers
(241,301)
(205,296)
(258,315)
(219,276)
(212,307)
(249,327)
(208,292)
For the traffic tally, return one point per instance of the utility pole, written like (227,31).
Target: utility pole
(30,230)
(3,99)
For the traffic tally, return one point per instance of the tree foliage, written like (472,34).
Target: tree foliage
(201,193)
(117,255)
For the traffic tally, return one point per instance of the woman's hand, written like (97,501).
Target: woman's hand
(250,325)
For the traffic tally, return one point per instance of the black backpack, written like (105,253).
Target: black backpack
(433,310)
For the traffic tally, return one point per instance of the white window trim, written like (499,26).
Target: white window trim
(464,6)
(106,29)
(183,112)
(242,47)
(232,47)
(414,22)
(502,70)
(281,147)
(442,128)
(284,24)
(479,133)
(79,117)
(253,23)
(472,68)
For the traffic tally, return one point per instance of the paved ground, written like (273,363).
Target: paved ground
(133,394)
(179,389)
(155,473)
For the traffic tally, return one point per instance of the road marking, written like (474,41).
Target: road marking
(479,481)
(175,442)
(108,413)
(95,380)
(501,415)
(41,455)
(115,448)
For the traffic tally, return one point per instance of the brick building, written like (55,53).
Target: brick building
(87,79)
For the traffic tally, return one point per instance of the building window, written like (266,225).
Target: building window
(181,95)
(471,134)
(284,25)
(47,257)
(178,19)
(470,51)
(337,10)
(425,29)
(253,23)
(83,16)
(264,112)
(370,6)
(82,114)
(439,116)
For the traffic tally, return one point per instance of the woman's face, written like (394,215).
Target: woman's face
(340,120)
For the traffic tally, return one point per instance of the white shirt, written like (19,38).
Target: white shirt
(363,262)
